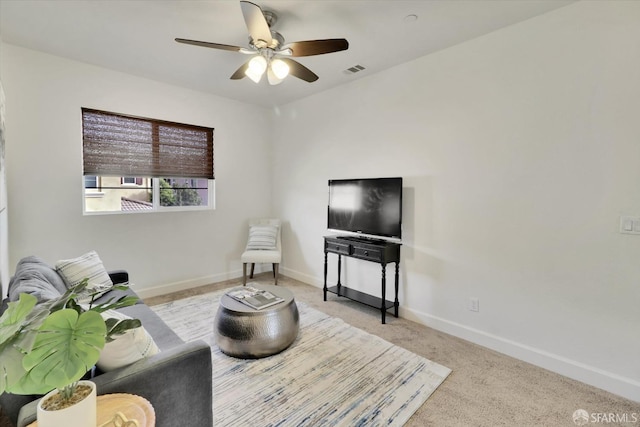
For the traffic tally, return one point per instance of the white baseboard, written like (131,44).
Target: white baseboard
(587,374)
(305,278)
(614,383)
(186,284)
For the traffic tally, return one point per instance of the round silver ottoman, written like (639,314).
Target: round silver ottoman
(240,331)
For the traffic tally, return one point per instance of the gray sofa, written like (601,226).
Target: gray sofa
(177,381)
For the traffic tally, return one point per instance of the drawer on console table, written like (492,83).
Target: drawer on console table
(367,253)
(337,247)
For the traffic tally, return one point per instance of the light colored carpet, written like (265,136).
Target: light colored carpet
(333,374)
(485,389)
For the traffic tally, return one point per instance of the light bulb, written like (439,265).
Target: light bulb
(280,68)
(258,64)
(256,68)
(273,79)
(253,75)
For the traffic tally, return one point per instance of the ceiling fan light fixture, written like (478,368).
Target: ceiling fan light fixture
(258,64)
(280,68)
(273,79)
(257,67)
(266,43)
(253,75)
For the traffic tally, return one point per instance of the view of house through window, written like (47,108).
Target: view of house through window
(134,164)
(127,194)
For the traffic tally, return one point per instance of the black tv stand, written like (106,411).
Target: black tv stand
(374,250)
(361,239)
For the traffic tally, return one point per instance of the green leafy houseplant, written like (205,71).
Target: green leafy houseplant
(52,345)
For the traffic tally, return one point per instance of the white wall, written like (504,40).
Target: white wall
(4,217)
(519,150)
(44,168)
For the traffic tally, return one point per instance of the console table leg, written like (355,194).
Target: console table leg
(325,277)
(339,272)
(383,309)
(396,303)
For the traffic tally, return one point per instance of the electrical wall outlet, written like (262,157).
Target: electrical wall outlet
(630,224)
(474,304)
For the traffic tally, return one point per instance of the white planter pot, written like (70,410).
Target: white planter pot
(82,414)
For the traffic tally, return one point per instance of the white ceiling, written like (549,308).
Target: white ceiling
(137,37)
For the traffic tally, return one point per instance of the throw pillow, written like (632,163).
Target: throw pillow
(41,289)
(127,348)
(262,237)
(33,276)
(37,267)
(89,266)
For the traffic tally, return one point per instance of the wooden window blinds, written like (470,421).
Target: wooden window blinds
(120,145)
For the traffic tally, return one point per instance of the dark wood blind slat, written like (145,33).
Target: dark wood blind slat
(120,145)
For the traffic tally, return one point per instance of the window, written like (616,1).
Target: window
(132,180)
(90,181)
(141,164)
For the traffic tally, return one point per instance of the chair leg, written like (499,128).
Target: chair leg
(244,274)
(253,265)
(275,273)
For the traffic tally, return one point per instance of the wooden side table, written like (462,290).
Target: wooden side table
(133,407)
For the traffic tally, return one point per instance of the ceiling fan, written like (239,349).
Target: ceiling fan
(270,53)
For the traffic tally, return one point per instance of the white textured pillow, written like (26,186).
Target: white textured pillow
(88,266)
(262,237)
(127,348)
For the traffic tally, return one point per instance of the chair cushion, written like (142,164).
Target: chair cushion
(262,237)
(260,256)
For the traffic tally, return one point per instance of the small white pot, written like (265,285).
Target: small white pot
(82,414)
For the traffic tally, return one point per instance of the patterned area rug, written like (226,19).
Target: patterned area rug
(333,374)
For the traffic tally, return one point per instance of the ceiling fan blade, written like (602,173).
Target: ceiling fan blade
(212,45)
(298,70)
(239,74)
(317,47)
(256,23)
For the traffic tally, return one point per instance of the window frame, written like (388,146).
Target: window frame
(155,189)
(123,181)
(210,199)
(154,181)
(97,180)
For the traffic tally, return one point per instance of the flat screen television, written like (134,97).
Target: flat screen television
(371,207)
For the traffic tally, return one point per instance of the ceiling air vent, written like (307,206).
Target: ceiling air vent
(354,69)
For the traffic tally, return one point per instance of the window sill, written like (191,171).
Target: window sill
(94,195)
(152,211)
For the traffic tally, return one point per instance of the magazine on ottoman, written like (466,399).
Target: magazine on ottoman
(254,298)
